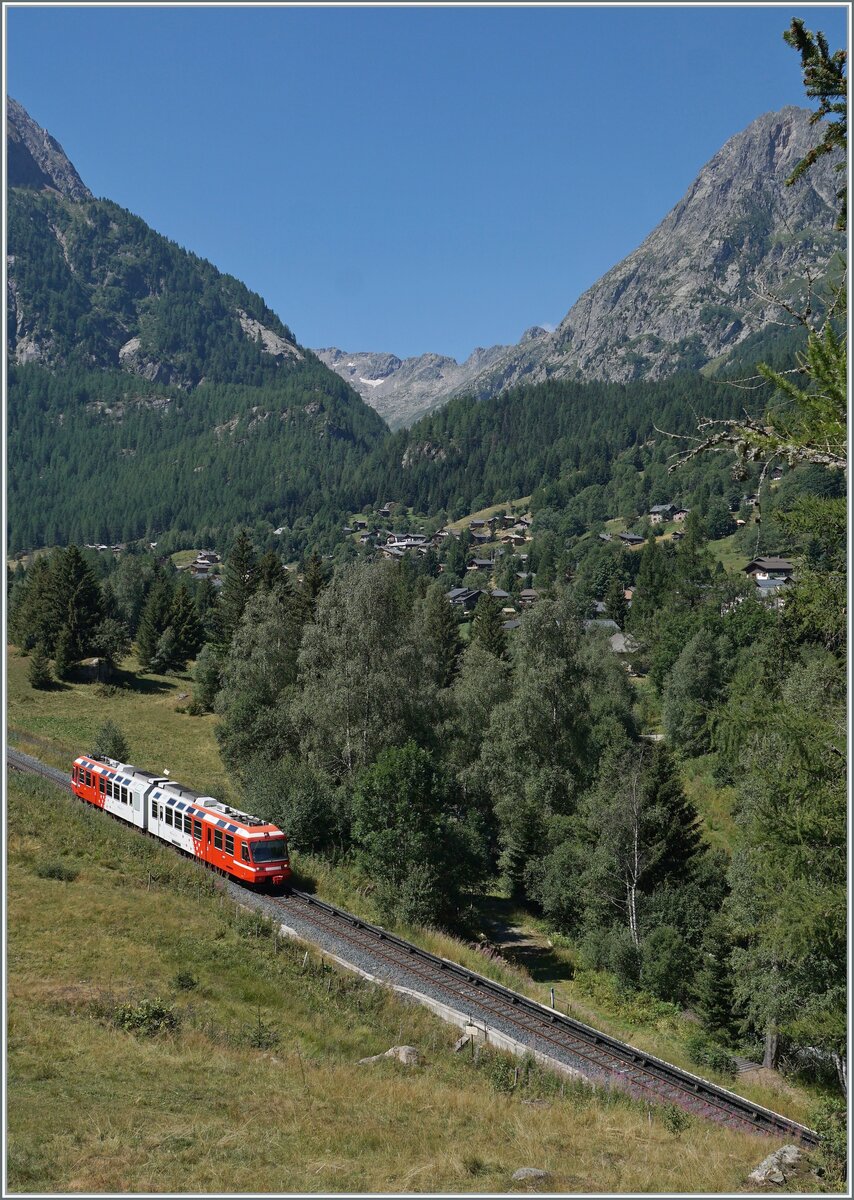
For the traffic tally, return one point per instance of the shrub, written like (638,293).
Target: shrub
(185,981)
(110,742)
(624,958)
(674,1118)
(501,1074)
(829,1121)
(667,963)
(706,1053)
(56,870)
(146,1017)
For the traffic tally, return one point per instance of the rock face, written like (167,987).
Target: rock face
(402,390)
(36,160)
(126,297)
(703,281)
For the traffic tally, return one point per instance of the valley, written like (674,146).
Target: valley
(537,658)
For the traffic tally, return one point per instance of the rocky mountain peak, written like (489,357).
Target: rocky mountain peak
(703,281)
(36,160)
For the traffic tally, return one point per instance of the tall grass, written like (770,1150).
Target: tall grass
(107,1093)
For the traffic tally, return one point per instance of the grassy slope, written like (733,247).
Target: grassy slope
(59,724)
(93,1108)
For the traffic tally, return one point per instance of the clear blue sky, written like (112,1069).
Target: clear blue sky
(404,179)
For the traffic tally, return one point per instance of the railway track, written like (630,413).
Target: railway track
(597,1056)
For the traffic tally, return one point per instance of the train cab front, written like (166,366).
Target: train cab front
(272,862)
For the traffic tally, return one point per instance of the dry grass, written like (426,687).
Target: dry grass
(93,1109)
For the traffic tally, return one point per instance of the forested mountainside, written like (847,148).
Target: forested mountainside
(706,279)
(147,390)
(473,453)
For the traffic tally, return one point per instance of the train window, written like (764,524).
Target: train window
(244,852)
(88,778)
(188,823)
(197,830)
(154,812)
(168,812)
(101,783)
(124,796)
(218,838)
(229,844)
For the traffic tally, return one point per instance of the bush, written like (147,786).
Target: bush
(704,1052)
(502,1075)
(110,742)
(56,870)
(667,964)
(185,981)
(829,1121)
(146,1017)
(624,958)
(674,1118)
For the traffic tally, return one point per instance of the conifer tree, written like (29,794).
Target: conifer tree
(112,641)
(713,985)
(38,671)
(486,627)
(441,634)
(314,578)
(155,618)
(272,572)
(240,581)
(110,742)
(184,620)
(75,598)
(615,601)
(63,656)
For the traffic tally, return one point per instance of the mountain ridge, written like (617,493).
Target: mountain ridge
(702,282)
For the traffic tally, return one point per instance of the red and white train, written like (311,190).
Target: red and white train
(229,841)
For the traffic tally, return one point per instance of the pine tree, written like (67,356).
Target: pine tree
(110,742)
(615,601)
(112,641)
(155,618)
(38,671)
(184,620)
(75,598)
(713,983)
(690,694)
(240,581)
(441,634)
(63,656)
(314,578)
(272,572)
(486,627)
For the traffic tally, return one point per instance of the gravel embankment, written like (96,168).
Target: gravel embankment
(438,994)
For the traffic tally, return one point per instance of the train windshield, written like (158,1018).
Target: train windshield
(271,850)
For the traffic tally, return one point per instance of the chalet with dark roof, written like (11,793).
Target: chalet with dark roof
(769,567)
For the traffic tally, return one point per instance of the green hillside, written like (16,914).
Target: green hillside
(148,392)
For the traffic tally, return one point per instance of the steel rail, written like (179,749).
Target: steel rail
(620,1063)
(601,1050)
